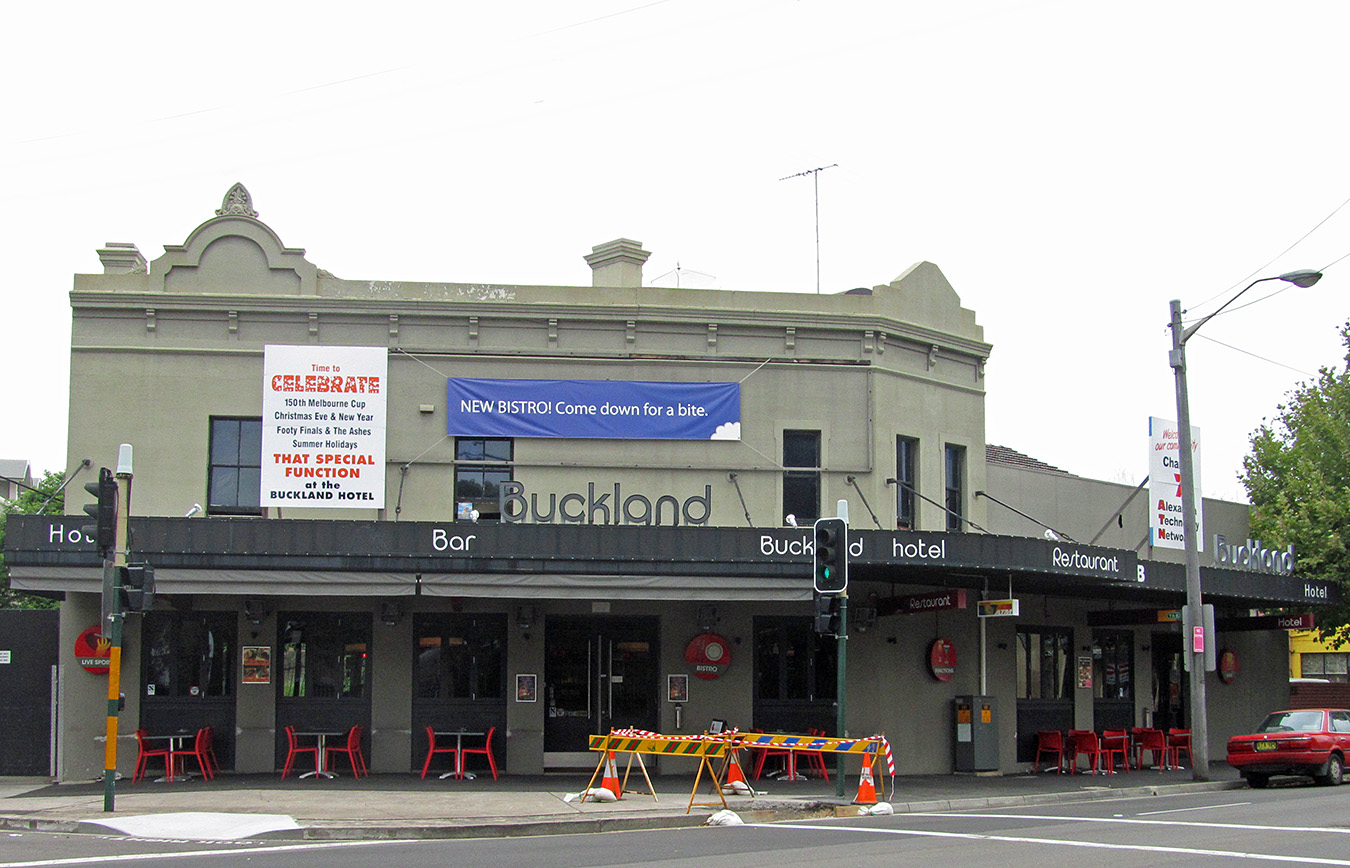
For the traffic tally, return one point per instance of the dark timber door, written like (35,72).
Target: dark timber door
(599,674)
(28,638)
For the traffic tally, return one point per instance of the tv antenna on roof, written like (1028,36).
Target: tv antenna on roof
(815,183)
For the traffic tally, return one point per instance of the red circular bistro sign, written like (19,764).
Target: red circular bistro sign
(710,654)
(1228,666)
(942,659)
(91,651)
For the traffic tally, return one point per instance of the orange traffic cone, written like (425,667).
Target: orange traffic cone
(867,791)
(735,782)
(611,779)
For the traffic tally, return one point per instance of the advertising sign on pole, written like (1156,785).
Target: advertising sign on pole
(1164,485)
(323,426)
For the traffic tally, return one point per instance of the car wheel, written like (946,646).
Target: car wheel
(1334,774)
(1257,781)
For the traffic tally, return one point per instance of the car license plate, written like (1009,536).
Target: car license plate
(1265,745)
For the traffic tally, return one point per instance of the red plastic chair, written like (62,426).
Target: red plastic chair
(1085,742)
(485,750)
(1050,741)
(352,750)
(815,757)
(294,749)
(432,749)
(763,753)
(1155,742)
(145,753)
(1177,741)
(1116,741)
(211,751)
(200,744)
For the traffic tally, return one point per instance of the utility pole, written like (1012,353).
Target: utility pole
(815,183)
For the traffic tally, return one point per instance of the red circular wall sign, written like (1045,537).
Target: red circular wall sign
(91,651)
(942,659)
(710,654)
(1228,666)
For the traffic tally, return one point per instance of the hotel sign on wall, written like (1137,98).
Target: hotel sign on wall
(1164,485)
(323,426)
(600,409)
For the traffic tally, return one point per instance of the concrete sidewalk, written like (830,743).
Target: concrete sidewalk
(405,806)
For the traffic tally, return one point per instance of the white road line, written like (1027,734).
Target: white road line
(233,851)
(1196,808)
(1092,845)
(1126,820)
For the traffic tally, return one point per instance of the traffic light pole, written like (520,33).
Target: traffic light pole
(841,668)
(112,611)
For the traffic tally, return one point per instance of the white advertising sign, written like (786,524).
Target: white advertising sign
(1164,485)
(323,426)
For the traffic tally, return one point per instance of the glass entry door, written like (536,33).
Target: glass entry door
(599,674)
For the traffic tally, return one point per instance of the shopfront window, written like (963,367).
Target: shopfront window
(234,478)
(801,475)
(482,464)
(793,662)
(1113,665)
(1333,665)
(189,655)
(907,482)
(325,655)
(1044,663)
(459,656)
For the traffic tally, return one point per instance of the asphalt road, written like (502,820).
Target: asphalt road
(1283,825)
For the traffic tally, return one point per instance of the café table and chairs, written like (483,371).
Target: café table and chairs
(145,751)
(200,750)
(318,747)
(438,742)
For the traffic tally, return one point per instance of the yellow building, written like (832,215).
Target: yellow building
(1310,657)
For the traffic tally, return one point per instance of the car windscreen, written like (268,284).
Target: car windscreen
(1292,721)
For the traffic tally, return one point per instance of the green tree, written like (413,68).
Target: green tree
(1298,481)
(46,498)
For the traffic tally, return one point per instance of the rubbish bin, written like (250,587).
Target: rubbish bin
(976,734)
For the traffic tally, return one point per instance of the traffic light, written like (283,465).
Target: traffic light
(831,556)
(104,511)
(827,613)
(138,587)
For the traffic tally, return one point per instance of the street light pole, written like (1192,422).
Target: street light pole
(1190,509)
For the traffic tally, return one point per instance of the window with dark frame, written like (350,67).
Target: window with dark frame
(955,461)
(793,662)
(801,476)
(1045,663)
(459,656)
(482,464)
(1113,665)
(234,477)
(188,654)
(325,655)
(907,479)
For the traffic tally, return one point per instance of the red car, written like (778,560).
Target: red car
(1313,742)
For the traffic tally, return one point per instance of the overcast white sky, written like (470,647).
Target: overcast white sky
(1070,166)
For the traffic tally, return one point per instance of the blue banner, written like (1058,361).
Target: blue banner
(606,409)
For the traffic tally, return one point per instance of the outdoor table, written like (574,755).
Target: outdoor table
(175,740)
(321,766)
(459,756)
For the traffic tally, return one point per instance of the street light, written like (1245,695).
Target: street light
(1190,509)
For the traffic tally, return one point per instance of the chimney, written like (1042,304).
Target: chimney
(121,257)
(617,263)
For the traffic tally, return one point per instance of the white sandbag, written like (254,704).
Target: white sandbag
(879,809)
(724,818)
(737,788)
(595,794)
